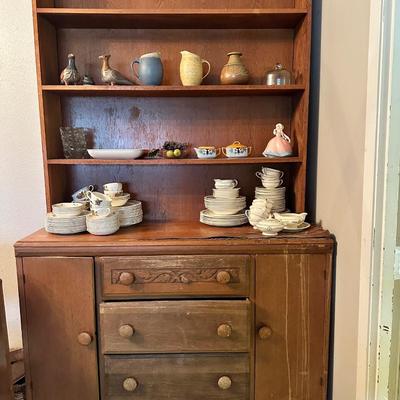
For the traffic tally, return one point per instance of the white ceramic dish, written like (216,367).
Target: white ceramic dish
(68,209)
(115,154)
(120,200)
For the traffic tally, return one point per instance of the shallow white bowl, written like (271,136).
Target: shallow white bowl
(116,154)
(67,209)
(120,200)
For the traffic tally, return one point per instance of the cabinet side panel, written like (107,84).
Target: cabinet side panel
(59,305)
(292,299)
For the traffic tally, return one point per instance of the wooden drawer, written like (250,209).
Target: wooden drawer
(177,377)
(175,326)
(133,277)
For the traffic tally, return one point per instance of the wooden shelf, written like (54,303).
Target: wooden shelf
(276,18)
(183,161)
(174,91)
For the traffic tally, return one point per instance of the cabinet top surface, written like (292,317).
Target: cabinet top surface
(173,238)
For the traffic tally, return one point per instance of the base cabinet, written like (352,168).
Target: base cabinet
(156,327)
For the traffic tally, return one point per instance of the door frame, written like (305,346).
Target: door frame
(381,165)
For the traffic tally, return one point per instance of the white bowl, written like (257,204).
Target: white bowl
(68,209)
(270,227)
(116,154)
(230,193)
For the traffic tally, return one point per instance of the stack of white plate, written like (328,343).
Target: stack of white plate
(130,214)
(99,225)
(209,218)
(276,196)
(67,225)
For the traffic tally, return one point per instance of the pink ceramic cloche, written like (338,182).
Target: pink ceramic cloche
(279,146)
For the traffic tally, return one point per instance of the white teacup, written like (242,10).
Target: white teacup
(272,172)
(271,184)
(113,186)
(81,194)
(98,199)
(225,183)
(101,211)
(112,193)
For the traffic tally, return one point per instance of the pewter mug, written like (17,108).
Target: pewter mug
(150,71)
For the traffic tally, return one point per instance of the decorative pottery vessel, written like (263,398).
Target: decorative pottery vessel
(191,69)
(236,150)
(150,71)
(279,146)
(207,151)
(234,72)
(278,76)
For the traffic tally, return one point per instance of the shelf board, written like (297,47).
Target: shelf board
(174,91)
(182,161)
(274,18)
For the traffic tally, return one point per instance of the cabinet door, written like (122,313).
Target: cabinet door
(292,326)
(59,328)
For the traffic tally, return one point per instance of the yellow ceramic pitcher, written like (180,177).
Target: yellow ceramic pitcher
(191,69)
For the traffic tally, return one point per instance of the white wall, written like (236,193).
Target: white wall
(21,173)
(342,117)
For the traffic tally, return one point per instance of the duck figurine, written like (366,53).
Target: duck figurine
(112,76)
(70,74)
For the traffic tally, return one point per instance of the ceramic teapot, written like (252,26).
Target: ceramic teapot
(236,149)
(191,69)
(279,146)
(207,152)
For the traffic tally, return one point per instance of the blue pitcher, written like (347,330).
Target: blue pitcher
(150,71)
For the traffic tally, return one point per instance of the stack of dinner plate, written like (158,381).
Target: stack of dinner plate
(276,196)
(209,218)
(67,225)
(130,214)
(102,225)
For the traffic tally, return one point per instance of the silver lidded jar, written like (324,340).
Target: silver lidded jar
(278,76)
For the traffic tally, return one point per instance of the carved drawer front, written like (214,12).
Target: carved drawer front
(175,326)
(177,377)
(132,277)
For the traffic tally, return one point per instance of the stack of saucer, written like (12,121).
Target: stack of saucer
(66,219)
(102,225)
(130,214)
(271,189)
(226,207)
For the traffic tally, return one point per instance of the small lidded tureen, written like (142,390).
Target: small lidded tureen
(270,226)
(236,149)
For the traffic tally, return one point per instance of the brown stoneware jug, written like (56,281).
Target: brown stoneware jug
(234,73)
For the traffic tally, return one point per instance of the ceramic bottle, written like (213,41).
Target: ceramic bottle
(234,72)
(191,69)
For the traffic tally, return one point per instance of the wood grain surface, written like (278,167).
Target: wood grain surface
(59,305)
(175,276)
(178,377)
(182,326)
(293,300)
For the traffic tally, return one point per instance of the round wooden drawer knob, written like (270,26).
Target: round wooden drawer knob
(265,332)
(223,277)
(126,278)
(85,339)
(224,330)
(126,331)
(224,382)
(130,384)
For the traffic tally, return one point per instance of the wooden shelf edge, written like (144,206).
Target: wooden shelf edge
(285,18)
(174,91)
(183,161)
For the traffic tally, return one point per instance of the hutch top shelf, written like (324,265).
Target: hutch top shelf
(276,18)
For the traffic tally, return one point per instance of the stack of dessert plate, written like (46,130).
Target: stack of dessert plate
(276,196)
(102,225)
(130,214)
(66,225)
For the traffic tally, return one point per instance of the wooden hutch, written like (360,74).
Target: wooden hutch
(172,309)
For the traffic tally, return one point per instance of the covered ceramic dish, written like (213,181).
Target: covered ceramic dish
(270,226)
(236,149)
(207,151)
(278,76)
(279,146)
